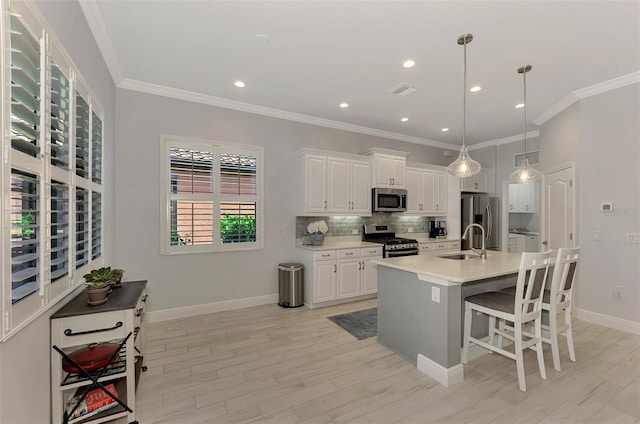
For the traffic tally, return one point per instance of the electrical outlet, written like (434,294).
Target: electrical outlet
(617,293)
(435,294)
(354,232)
(597,235)
(633,238)
(410,230)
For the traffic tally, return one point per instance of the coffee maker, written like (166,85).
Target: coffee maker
(438,229)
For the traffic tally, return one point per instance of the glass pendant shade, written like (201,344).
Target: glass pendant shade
(464,166)
(525,173)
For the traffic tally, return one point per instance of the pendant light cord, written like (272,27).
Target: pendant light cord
(464,95)
(524,124)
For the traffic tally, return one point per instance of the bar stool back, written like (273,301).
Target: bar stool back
(559,298)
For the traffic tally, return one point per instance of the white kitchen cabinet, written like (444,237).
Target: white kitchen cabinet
(348,284)
(324,280)
(478,183)
(522,198)
(516,243)
(369,270)
(427,192)
(389,167)
(336,185)
(532,243)
(341,275)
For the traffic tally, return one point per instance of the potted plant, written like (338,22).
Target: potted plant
(97,285)
(317,230)
(116,277)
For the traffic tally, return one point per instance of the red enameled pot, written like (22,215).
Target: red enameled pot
(91,357)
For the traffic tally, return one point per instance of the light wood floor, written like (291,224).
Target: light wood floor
(272,365)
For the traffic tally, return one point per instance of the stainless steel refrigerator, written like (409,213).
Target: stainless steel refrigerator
(480,209)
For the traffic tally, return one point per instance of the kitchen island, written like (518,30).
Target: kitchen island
(421,306)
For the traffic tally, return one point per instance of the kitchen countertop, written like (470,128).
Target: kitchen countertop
(456,271)
(354,242)
(338,243)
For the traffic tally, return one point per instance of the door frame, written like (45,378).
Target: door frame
(543,203)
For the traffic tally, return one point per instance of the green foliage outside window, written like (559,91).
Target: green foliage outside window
(26,221)
(238,229)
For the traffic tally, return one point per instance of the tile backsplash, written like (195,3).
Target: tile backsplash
(343,225)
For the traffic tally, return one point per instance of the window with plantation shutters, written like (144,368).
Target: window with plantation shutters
(59,237)
(51,175)
(82,227)
(25,89)
(25,235)
(213,196)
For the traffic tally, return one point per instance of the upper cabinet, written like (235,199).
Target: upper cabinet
(427,191)
(522,198)
(478,183)
(336,185)
(389,167)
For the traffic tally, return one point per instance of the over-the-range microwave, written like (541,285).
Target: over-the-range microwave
(388,200)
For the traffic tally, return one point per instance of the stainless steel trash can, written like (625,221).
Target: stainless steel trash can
(291,278)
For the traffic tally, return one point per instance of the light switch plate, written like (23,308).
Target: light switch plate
(597,235)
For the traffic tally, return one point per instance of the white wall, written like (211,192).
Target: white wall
(609,169)
(25,358)
(187,280)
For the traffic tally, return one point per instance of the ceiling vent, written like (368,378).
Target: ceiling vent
(403,89)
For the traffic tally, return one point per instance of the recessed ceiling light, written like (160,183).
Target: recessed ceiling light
(409,63)
(444,129)
(475,88)
(239,84)
(344,104)
(519,105)
(405,119)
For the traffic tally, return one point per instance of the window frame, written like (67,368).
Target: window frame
(215,148)
(16,316)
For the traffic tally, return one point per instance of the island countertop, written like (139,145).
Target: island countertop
(456,271)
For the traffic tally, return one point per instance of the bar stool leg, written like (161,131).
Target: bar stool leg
(519,356)
(569,333)
(538,333)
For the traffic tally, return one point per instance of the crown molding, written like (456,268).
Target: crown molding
(190,96)
(96,25)
(501,141)
(583,93)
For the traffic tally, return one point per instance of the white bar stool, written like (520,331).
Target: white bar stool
(522,308)
(559,298)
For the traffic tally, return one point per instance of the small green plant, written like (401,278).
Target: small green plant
(116,276)
(99,278)
(234,229)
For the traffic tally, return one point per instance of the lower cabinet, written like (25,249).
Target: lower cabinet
(341,275)
(433,246)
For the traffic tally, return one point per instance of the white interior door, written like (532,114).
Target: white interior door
(558,208)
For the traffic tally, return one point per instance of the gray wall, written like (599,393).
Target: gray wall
(188,280)
(609,171)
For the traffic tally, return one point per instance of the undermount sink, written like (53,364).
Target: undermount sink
(461,256)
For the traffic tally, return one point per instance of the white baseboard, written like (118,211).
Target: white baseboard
(445,376)
(628,326)
(227,305)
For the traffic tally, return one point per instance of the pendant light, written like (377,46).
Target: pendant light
(525,173)
(464,166)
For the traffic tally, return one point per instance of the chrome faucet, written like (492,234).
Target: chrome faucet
(483,251)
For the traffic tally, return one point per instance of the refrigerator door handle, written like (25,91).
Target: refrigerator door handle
(489,223)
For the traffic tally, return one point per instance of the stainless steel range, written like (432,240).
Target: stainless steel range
(393,246)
